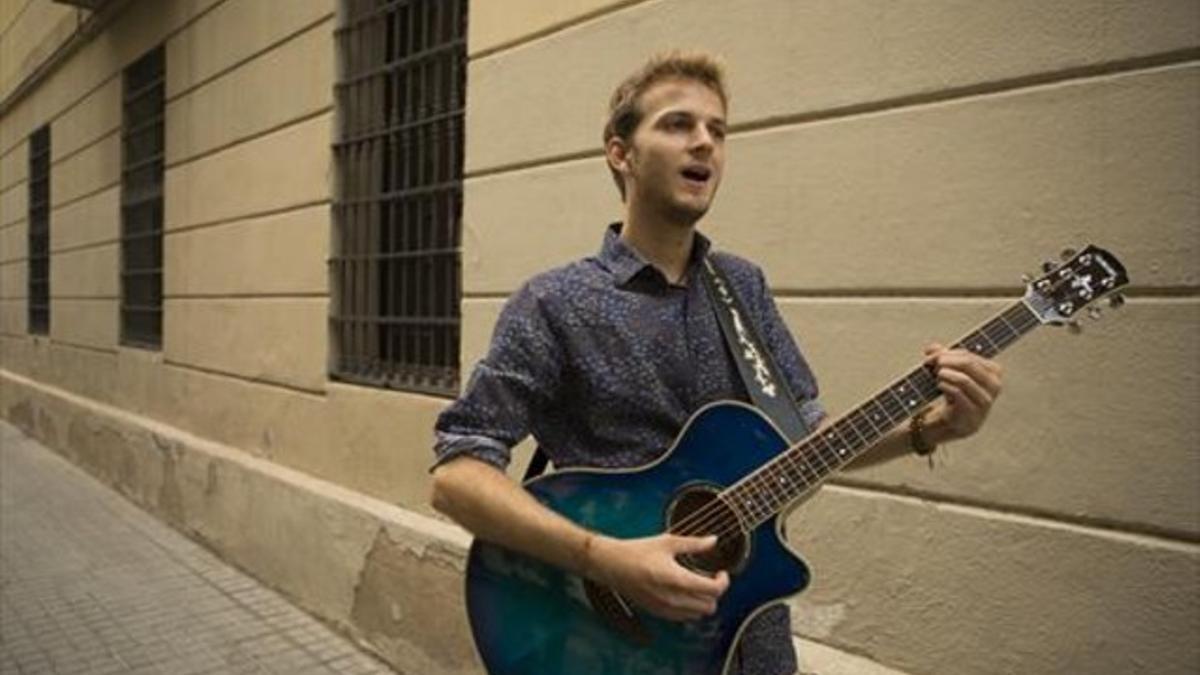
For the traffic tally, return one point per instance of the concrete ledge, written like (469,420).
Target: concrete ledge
(370,569)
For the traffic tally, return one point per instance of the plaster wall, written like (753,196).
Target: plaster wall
(30,32)
(249,90)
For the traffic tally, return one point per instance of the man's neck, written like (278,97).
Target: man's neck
(667,246)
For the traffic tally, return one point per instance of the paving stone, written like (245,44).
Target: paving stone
(91,584)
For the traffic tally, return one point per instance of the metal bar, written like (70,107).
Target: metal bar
(447,384)
(156,120)
(400,64)
(131,97)
(141,235)
(356,21)
(139,202)
(399,255)
(141,164)
(141,309)
(402,194)
(142,272)
(400,320)
(389,130)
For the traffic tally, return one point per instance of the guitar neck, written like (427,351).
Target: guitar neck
(799,470)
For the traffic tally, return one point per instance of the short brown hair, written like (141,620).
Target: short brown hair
(624,108)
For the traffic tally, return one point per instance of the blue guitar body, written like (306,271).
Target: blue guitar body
(530,618)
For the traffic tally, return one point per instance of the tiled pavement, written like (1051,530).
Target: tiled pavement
(91,584)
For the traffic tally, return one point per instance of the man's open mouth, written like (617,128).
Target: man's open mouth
(697,174)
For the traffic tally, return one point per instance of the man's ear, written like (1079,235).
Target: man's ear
(616,151)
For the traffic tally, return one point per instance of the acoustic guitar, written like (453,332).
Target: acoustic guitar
(730,473)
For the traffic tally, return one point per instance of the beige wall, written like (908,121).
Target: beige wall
(248,131)
(893,169)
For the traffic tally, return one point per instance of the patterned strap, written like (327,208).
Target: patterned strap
(768,391)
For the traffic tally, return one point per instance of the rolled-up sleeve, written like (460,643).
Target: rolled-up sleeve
(519,376)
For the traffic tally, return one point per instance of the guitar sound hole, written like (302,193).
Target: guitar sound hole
(697,511)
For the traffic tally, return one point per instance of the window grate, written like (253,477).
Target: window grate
(142,153)
(397,211)
(39,231)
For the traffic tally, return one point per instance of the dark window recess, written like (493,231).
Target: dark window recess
(39,231)
(397,209)
(142,201)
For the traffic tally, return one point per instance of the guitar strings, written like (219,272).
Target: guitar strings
(822,458)
(712,517)
(717,514)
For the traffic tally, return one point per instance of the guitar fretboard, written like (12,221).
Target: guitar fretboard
(800,469)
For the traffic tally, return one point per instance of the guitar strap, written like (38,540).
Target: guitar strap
(769,392)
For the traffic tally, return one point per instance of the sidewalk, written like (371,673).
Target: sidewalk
(91,584)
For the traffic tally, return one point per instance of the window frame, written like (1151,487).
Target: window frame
(38,251)
(395,267)
(143,153)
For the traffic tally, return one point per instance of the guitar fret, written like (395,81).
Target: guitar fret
(828,454)
(927,384)
(767,494)
(863,428)
(875,416)
(841,447)
(799,465)
(979,347)
(855,445)
(817,452)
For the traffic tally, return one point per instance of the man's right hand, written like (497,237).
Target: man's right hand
(647,572)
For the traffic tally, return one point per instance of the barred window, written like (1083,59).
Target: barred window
(142,201)
(395,269)
(39,231)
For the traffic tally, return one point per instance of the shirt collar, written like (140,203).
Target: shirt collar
(625,263)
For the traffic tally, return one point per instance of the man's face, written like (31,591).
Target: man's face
(677,153)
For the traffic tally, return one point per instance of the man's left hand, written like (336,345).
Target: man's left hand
(971,384)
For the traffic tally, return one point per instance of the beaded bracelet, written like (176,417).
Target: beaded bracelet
(916,436)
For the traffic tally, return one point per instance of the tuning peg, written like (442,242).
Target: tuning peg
(1067,254)
(1049,266)
(1116,300)
(1094,312)
(1074,328)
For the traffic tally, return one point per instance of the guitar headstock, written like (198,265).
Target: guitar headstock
(1068,287)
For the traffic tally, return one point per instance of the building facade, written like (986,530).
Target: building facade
(248,250)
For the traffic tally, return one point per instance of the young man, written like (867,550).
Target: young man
(605,359)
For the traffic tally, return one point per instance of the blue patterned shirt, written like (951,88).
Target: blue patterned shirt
(603,361)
